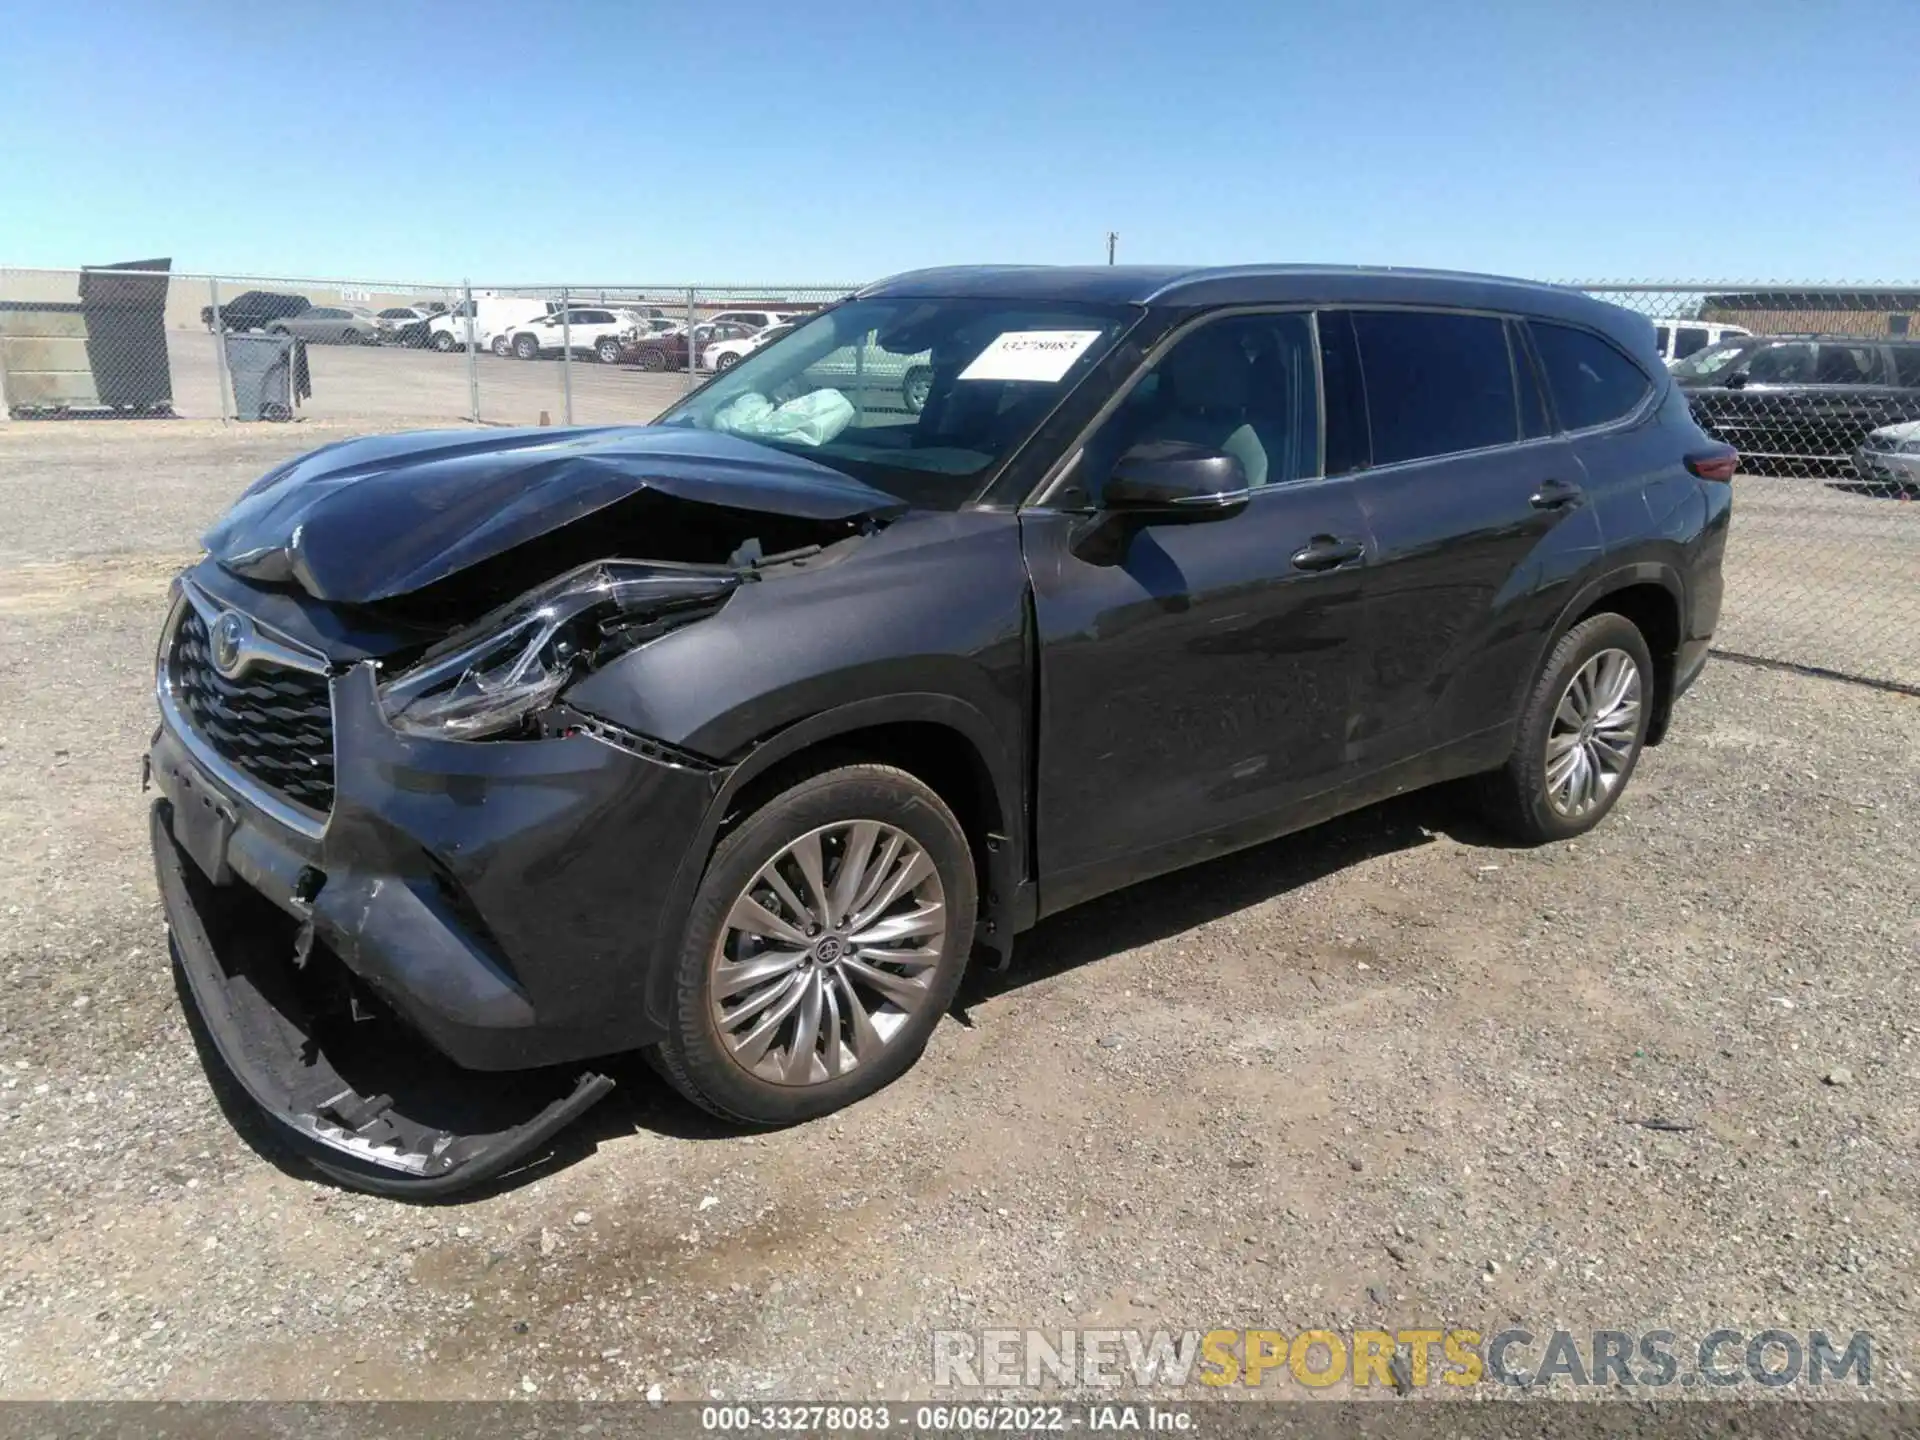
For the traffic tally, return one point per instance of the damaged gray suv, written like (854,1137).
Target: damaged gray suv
(732,739)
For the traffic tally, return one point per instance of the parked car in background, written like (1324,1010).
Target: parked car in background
(667,350)
(1890,457)
(1678,339)
(489,319)
(878,378)
(255,310)
(330,325)
(1801,405)
(605,334)
(403,325)
(751,319)
(725,354)
(728,737)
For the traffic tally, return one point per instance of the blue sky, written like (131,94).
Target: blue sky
(650,142)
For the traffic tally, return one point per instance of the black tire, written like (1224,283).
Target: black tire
(1515,797)
(653,358)
(695,1060)
(443,341)
(608,351)
(527,347)
(725,363)
(915,386)
(500,346)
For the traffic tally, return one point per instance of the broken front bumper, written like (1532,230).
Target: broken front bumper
(473,907)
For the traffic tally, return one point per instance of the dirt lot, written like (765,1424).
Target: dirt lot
(391,387)
(1334,1081)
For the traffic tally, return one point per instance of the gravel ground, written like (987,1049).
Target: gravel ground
(1334,1081)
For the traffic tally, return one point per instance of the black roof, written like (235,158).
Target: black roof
(1185,285)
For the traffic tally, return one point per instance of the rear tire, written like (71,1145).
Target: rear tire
(789,1078)
(500,347)
(1581,734)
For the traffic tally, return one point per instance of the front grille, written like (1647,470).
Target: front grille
(273,724)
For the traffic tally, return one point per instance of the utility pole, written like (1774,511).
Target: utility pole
(1113,239)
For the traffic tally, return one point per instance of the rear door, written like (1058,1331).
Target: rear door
(1463,478)
(1196,678)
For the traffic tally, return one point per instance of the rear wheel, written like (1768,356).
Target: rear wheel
(827,938)
(501,347)
(1580,735)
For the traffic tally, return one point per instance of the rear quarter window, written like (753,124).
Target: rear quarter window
(1436,384)
(1591,382)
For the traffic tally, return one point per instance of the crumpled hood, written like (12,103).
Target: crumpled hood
(382,516)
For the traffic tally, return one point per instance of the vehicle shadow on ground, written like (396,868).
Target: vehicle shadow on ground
(642,1102)
(1170,904)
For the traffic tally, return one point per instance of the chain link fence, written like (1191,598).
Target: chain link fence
(1817,386)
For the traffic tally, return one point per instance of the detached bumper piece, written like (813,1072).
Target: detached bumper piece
(323,1057)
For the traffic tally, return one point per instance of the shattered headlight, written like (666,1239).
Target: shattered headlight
(514,661)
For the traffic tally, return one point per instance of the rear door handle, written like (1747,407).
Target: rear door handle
(1324,552)
(1555,495)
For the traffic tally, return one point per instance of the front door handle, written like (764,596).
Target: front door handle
(1324,552)
(1555,495)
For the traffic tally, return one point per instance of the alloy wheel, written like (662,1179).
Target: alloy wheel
(827,953)
(1594,733)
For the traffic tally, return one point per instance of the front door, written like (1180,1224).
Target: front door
(1196,678)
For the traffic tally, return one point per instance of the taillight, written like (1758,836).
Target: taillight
(1714,464)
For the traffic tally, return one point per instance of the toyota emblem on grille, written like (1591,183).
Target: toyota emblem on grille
(229,643)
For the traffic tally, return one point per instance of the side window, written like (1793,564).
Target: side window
(1781,365)
(1848,365)
(1906,366)
(1688,340)
(1591,381)
(1662,338)
(1533,404)
(1436,384)
(1245,385)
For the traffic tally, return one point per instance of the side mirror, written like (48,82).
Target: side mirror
(1174,480)
(1738,380)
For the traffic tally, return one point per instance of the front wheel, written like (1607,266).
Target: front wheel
(1580,735)
(826,939)
(725,362)
(443,341)
(653,358)
(527,348)
(608,351)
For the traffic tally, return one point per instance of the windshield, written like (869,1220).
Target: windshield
(917,397)
(1709,362)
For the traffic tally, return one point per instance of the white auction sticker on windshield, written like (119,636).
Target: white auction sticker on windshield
(1043,355)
